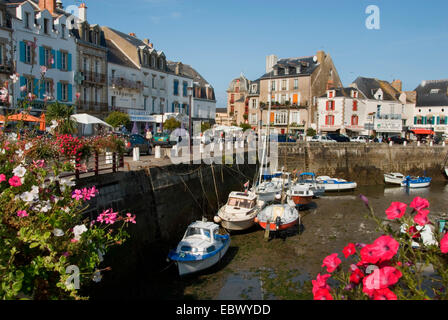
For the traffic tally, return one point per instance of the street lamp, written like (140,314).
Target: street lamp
(190,127)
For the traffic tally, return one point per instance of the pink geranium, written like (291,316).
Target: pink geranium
(421,217)
(444,243)
(15,181)
(77,194)
(419,204)
(331,262)
(396,210)
(22,213)
(130,218)
(356,276)
(2,177)
(384,294)
(381,279)
(349,250)
(323,294)
(320,283)
(369,254)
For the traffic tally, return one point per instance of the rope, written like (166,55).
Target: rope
(203,190)
(216,189)
(192,195)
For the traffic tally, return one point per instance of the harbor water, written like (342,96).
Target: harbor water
(282,267)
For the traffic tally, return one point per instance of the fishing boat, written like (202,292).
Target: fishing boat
(309,179)
(240,211)
(416,182)
(300,193)
(268,191)
(335,184)
(277,217)
(394,178)
(200,248)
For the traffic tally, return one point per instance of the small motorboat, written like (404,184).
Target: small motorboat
(240,211)
(300,193)
(309,178)
(393,178)
(335,184)
(277,217)
(268,191)
(200,248)
(416,182)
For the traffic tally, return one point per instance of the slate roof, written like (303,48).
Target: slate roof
(114,55)
(345,92)
(426,98)
(244,83)
(306,64)
(369,86)
(136,42)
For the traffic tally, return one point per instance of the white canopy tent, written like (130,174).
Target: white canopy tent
(87,120)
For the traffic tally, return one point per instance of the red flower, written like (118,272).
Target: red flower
(386,247)
(444,243)
(369,254)
(381,279)
(320,283)
(396,210)
(422,217)
(331,262)
(323,294)
(349,250)
(419,204)
(356,276)
(384,294)
(413,232)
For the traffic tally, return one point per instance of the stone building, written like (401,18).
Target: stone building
(222,117)
(237,99)
(431,110)
(7,63)
(91,66)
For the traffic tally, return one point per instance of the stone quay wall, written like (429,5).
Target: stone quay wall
(363,163)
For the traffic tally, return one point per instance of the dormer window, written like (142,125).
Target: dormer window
(355,94)
(63,31)
(46,26)
(331,94)
(27,20)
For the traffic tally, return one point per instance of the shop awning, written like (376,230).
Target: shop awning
(423,131)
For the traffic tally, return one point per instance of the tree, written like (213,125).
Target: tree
(205,126)
(117,119)
(171,124)
(245,126)
(310,132)
(62,114)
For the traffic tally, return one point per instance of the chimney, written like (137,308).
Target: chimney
(59,4)
(50,5)
(178,68)
(146,41)
(320,56)
(151,45)
(132,34)
(271,61)
(83,12)
(397,85)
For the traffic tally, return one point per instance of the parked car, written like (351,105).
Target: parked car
(137,140)
(397,139)
(322,139)
(359,139)
(284,138)
(338,137)
(163,139)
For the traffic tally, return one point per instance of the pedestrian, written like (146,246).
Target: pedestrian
(148,135)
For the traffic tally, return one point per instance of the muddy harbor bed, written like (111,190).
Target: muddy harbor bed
(280,268)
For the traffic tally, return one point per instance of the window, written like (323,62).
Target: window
(46,26)
(114,101)
(153,83)
(2,50)
(96,95)
(162,83)
(85,96)
(153,62)
(329,120)
(283,99)
(272,85)
(63,31)
(354,120)
(378,112)
(64,91)
(29,83)
(254,104)
(296,84)
(97,66)
(47,57)
(162,66)
(355,94)
(176,87)
(85,63)
(355,105)
(281,118)
(330,94)
(48,87)
(185,89)
(27,20)
(330,105)
(283,84)
(64,61)
(27,53)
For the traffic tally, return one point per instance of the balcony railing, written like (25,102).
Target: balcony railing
(120,82)
(5,69)
(92,106)
(96,77)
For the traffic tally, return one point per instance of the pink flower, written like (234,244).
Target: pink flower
(421,217)
(15,181)
(323,294)
(77,194)
(349,250)
(381,279)
(419,204)
(396,210)
(386,247)
(2,177)
(22,214)
(331,262)
(73,240)
(369,254)
(320,283)
(384,294)
(444,243)
(130,218)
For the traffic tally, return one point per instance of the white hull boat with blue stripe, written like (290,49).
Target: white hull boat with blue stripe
(416,182)
(335,184)
(200,248)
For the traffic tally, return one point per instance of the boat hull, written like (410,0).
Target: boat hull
(189,267)
(238,225)
(298,200)
(392,180)
(273,226)
(416,185)
(340,186)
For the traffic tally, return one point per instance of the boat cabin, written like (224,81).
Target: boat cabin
(202,231)
(242,200)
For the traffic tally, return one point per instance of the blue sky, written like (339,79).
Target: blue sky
(221,39)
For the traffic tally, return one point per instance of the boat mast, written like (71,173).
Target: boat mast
(269,126)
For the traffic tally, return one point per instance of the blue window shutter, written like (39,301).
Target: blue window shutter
(22,81)
(70,92)
(438,120)
(59,91)
(415,120)
(69,62)
(59,58)
(42,56)
(36,87)
(42,89)
(22,51)
(53,53)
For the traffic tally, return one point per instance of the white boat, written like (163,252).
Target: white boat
(300,193)
(394,178)
(278,217)
(268,191)
(416,182)
(309,179)
(200,248)
(335,184)
(240,211)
